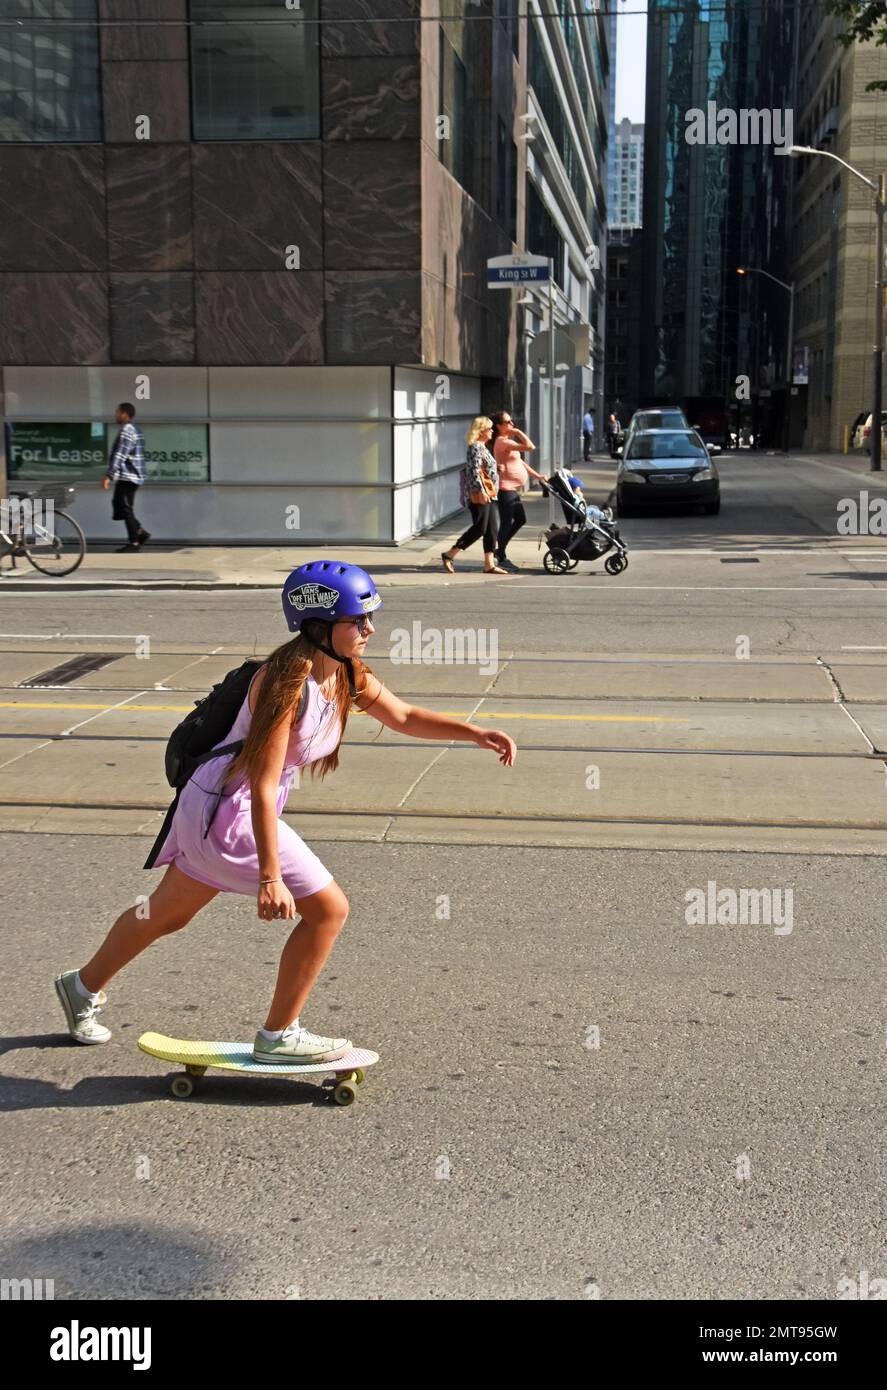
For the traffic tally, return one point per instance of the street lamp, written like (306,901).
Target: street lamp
(755,270)
(878,361)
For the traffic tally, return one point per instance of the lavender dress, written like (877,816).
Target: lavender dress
(226,857)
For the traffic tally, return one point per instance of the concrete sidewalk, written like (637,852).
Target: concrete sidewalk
(214,566)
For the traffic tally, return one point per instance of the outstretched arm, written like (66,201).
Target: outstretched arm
(416,722)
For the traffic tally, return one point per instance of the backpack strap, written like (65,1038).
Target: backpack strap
(238,743)
(236,747)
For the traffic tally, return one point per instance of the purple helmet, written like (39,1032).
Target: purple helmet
(326,590)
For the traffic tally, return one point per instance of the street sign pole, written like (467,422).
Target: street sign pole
(508,272)
(790,376)
(552,464)
(878,362)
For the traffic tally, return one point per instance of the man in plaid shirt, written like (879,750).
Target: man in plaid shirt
(126,470)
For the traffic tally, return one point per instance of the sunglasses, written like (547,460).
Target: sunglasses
(362,624)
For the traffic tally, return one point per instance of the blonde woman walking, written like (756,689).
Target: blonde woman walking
(483,499)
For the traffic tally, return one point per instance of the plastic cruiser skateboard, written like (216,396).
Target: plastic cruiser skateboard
(347,1072)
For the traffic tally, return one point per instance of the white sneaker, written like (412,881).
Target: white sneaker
(298,1045)
(80,1014)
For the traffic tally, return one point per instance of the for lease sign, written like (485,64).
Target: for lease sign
(52,451)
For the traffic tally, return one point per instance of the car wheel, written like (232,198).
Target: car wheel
(712,508)
(622,507)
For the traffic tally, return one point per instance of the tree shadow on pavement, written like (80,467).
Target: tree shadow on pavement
(118,1261)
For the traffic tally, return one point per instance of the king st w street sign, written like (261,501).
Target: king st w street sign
(505,271)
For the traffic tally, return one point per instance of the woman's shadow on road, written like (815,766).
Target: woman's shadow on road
(97,1092)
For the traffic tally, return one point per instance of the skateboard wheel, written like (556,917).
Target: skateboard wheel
(360,1076)
(345,1093)
(182,1086)
(196,1071)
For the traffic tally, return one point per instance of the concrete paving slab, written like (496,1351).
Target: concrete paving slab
(459,678)
(716,726)
(14,752)
(131,672)
(865,684)
(119,774)
(690,788)
(368,780)
(664,680)
(131,774)
(19,666)
(126,822)
(26,819)
(873,720)
(196,673)
(59,646)
(430,777)
(856,658)
(598,835)
(50,712)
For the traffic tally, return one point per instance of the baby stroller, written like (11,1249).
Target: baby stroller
(590,532)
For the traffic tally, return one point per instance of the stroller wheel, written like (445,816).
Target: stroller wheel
(556,561)
(615,564)
(573,563)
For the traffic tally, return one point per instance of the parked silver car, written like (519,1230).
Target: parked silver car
(662,468)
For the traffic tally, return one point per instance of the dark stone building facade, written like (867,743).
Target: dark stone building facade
(268,227)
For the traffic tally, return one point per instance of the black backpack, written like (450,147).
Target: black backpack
(209,721)
(194,740)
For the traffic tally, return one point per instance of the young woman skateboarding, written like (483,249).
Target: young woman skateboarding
(247,848)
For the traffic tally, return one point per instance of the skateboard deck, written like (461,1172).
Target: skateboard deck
(347,1072)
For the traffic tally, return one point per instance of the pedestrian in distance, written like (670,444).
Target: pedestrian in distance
(587,435)
(126,470)
(614,429)
(226,835)
(509,444)
(482,482)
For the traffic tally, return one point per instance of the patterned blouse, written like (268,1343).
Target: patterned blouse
(479,457)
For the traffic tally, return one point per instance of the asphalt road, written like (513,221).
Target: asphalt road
(583,1089)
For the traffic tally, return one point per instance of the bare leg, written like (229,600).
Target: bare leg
(322,916)
(176,899)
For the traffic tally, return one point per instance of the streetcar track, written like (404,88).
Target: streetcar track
(566,818)
(647,749)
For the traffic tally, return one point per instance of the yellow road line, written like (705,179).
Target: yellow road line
(450,713)
(49,704)
(571,718)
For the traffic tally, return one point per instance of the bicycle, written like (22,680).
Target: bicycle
(53,545)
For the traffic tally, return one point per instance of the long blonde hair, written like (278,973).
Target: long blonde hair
(286,671)
(478,425)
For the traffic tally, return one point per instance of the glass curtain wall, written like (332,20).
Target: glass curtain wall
(708,52)
(255,71)
(49,71)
